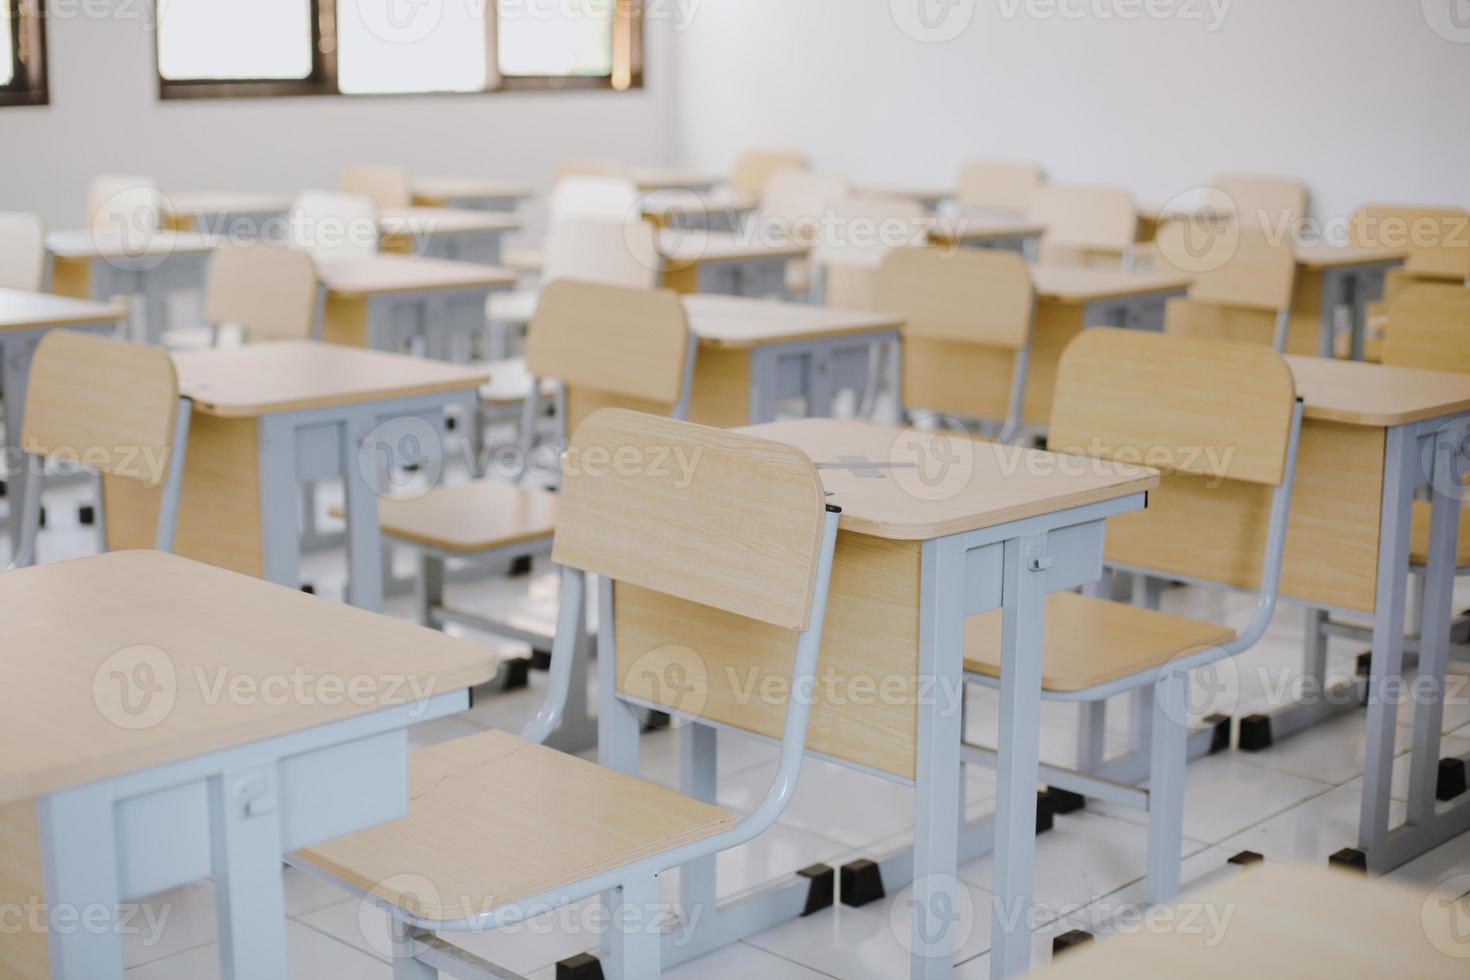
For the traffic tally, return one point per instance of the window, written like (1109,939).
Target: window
(22,52)
(225,48)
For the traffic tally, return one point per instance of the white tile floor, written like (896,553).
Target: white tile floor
(1295,801)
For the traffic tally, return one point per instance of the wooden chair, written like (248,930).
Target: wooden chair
(268,292)
(592,198)
(127,206)
(330,226)
(996,187)
(22,251)
(794,205)
(386,187)
(1243,282)
(1273,204)
(754,169)
(1438,240)
(111,406)
(1222,421)
(960,311)
(499,827)
(1085,225)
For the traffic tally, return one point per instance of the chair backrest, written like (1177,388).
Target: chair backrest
(992,185)
(269,291)
(105,403)
(22,251)
(1438,239)
(131,207)
(328,225)
(796,201)
(1232,265)
(621,253)
(599,198)
(864,232)
(754,168)
(1087,218)
(610,346)
(1273,203)
(1428,326)
(706,515)
(386,187)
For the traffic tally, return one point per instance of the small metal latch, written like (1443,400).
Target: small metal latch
(1039,563)
(258,799)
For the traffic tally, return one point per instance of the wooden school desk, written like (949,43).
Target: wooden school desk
(989,231)
(269,417)
(755,353)
(470,193)
(933,529)
(386,301)
(139,774)
(930,198)
(732,265)
(100,265)
(1285,920)
(1069,299)
(240,214)
(673,178)
(718,210)
(1330,277)
(24,319)
(446,233)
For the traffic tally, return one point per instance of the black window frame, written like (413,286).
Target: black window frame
(29,85)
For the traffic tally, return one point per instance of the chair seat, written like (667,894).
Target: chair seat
(1092,641)
(515,306)
(471,517)
(510,382)
(1419,537)
(493,820)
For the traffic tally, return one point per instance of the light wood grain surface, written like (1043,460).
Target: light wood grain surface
(673,178)
(436,191)
(739,322)
(1323,255)
(422,220)
(689,248)
(753,168)
(984,228)
(997,185)
(1078,284)
(110,245)
(1239,268)
(289,375)
(1285,920)
(1438,239)
(382,274)
(24,310)
(470,517)
(911,485)
(1428,326)
(977,296)
(196,204)
(1374,394)
(556,820)
(722,200)
(268,291)
(183,623)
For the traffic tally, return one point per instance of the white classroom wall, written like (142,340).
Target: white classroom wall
(105,117)
(1359,99)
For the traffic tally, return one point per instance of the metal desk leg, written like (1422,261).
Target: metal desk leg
(1024,592)
(364,540)
(280,503)
(1333,290)
(936,888)
(79,853)
(251,906)
(15,363)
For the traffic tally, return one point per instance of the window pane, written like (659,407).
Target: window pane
(7,53)
(239,39)
(410,46)
(556,37)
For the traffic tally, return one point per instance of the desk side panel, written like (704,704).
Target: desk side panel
(721,392)
(71,277)
(23,954)
(344,321)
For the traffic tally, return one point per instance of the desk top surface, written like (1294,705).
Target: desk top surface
(227,202)
(1283,920)
(665,178)
(908,485)
(1324,255)
(84,244)
(382,274)
(675,200)
(694,247)
(135,659)
(24,310)
(983,228)
(1082,284)
(291,375)
(734,321)
(928,196)
(416,220)
(437,189)
(1360,393)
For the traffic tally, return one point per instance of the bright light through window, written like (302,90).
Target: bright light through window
(234,39)
(7,52)
(556,37)
(388,46)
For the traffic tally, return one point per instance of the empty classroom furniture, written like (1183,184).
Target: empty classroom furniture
(731,265)
(652,179)
(446,233)
(386,187)
(1428,326)
(1438,239)
(988,230)
(102,264)
(845,264)
(229,214)
(1213,415)
(999,187)
(931,199)
(646,533)
(754,168)
(269,417)
(468,193)
(1086,226)
(1314,923)
(1333,278)
(140,777)
(267,292)
(721,209)
(330,225)
(130,207)
(22,251)
(972,307)
(1243,282)
(794,207)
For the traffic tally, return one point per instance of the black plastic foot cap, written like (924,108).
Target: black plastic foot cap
(87,514)
(862,883)
(1244,858)
(1365,663)
(1044,812)
(450,423)
(821,885)
(540,659)
(520,566)
(43,517)
(1255,733)
(656,721)
(308,588)
(1451,781)
(1349,859)
(4,488)
(583,966)
(1069,940)
(517,674)
(1064,800)
(1220,734)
